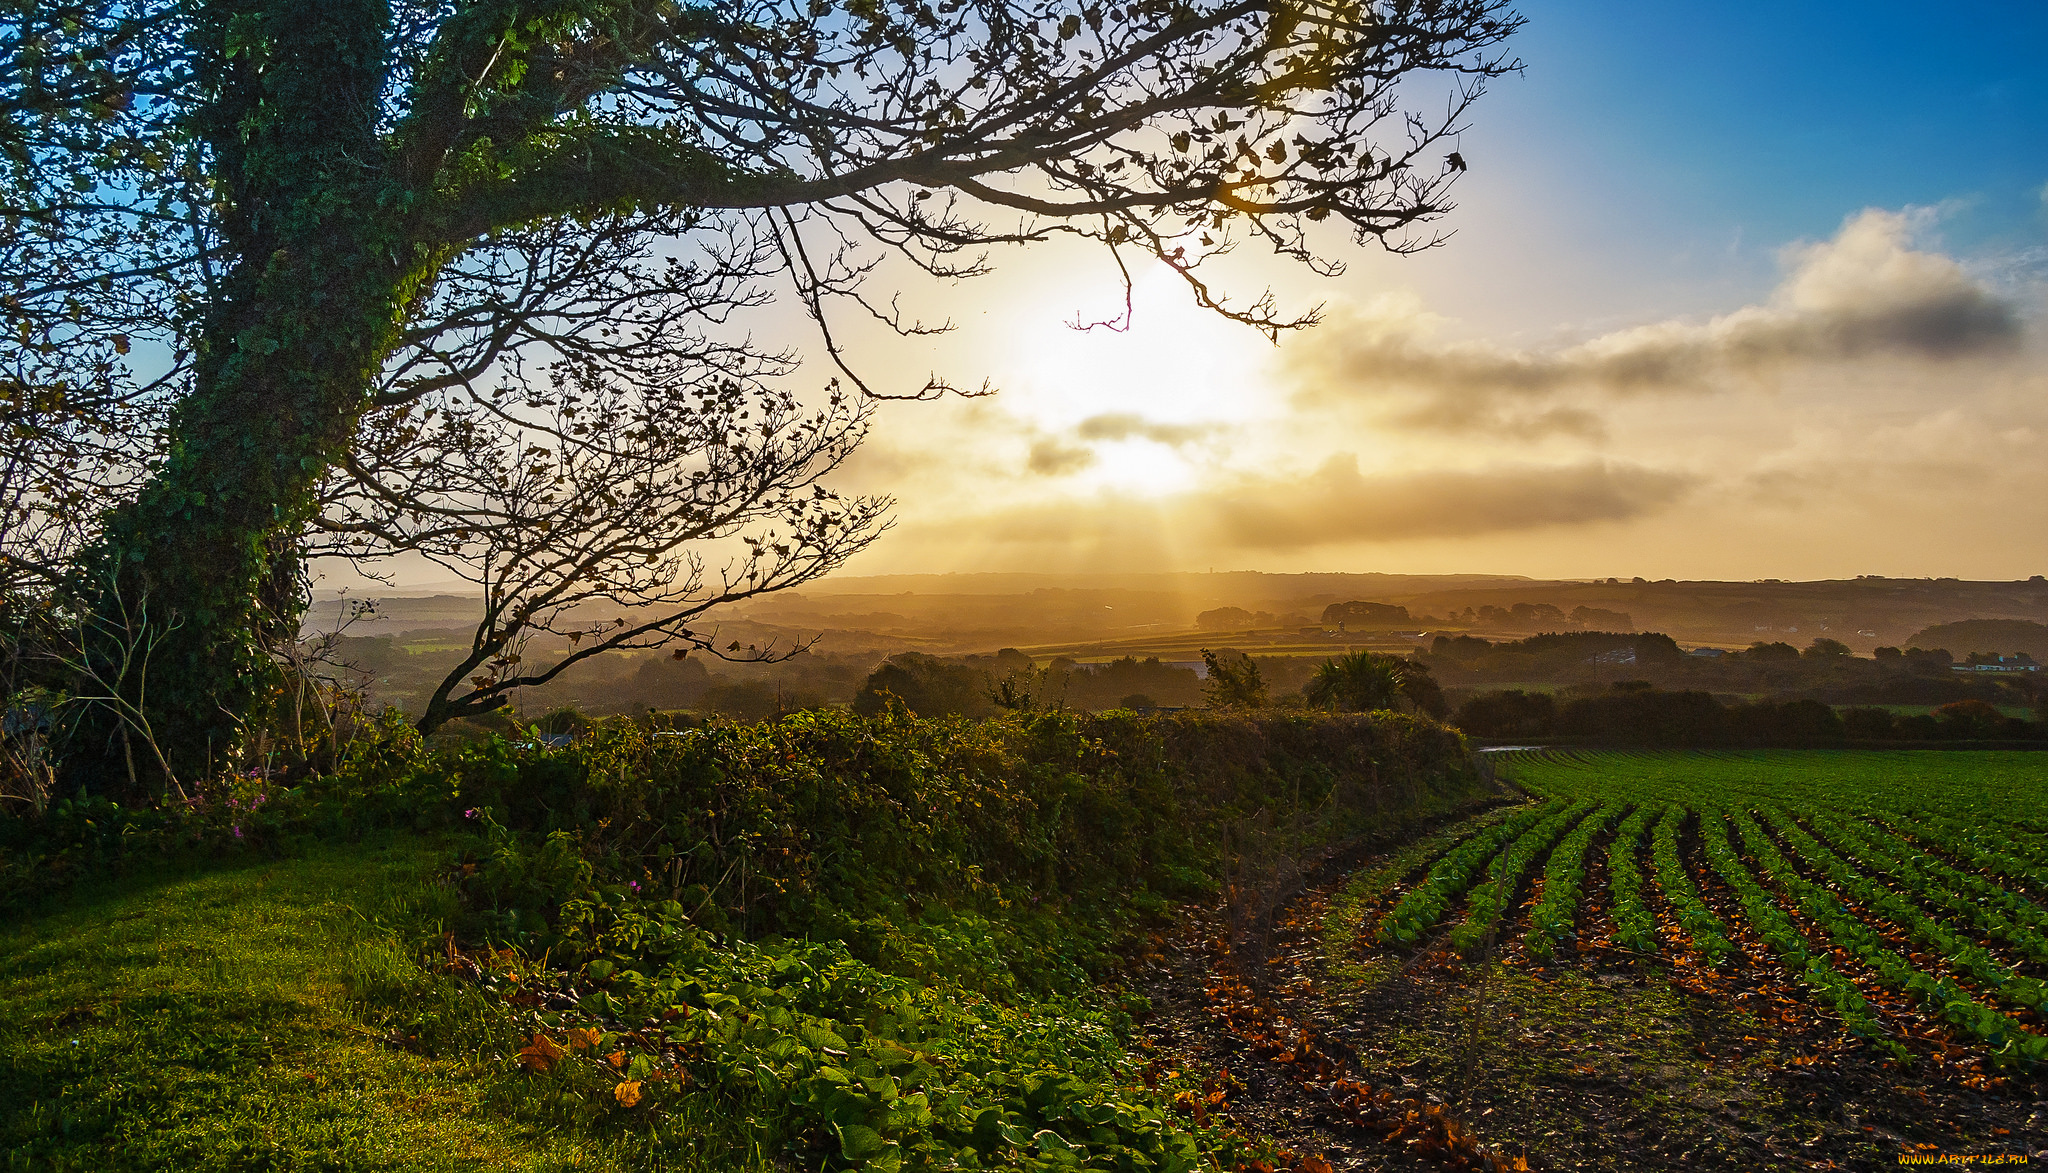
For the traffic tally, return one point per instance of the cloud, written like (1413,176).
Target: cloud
(1125,426)
(1865,294)
(1336,504)
(1057,455)
(1051,457)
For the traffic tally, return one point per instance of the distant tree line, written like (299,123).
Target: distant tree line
(1635,713)
(1825,670)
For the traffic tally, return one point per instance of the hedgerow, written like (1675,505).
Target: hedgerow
(845,941)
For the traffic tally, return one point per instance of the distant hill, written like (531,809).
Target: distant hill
(1986,635)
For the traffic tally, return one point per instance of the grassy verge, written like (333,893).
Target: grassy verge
(827,943)
(217,1020)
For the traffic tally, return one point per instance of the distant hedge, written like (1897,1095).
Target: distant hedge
(1634,715)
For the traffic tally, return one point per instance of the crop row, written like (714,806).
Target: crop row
(1550,922)
(1708,935)
(1423,905)
(1999,793)
(1829,985)
(1999,1032)
(1975,846)
(1504,875)
(1966,957)
(1979,902)
(1634,927)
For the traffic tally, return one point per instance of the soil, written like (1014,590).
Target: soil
(1596,1060)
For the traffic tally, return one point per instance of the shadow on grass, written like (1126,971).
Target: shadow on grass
(245,1017)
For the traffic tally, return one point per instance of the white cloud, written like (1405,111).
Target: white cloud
(1865,294)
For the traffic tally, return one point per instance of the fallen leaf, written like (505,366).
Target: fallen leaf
(541,1054)
(627,1094)
(583,1038)
(617,1059)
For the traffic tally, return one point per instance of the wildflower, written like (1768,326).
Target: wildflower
(633,884)
(232,804)
(470,813)
(238,831)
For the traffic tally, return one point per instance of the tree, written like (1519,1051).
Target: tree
(1509,713)
(1366,681)
(1359,682)
(375,220)
(929,687)
(1970,719)
(1234,680)
(1365,614)
(1824,648)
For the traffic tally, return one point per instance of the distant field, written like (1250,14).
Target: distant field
(2000,785)
(1898,887)
(2021,711)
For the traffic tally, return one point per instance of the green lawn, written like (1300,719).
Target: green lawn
(219,1020)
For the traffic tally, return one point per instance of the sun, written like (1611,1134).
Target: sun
(1155,403)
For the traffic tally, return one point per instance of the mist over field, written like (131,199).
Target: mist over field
(837,634)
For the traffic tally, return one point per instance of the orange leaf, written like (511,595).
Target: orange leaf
(583,1038)
(627,1094)
(541,1054)
(617,1059)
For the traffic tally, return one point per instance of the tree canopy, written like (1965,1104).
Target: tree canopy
(466,281)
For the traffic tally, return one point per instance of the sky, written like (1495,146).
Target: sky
(1733,291)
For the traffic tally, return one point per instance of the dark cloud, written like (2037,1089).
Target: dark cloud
(1338,503)
(1057,455)
(1051,457)
(1863,295)
(1124,426)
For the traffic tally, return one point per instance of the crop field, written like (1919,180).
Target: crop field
(1662,960)
(1886,883)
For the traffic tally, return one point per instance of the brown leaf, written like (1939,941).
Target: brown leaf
(541,1054)
(583,1038)
(617,1059)
(627,1094)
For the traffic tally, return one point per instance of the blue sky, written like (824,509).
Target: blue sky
(1781,115)
(1674,148)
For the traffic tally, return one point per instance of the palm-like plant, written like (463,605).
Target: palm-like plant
(1358,682)
(1361,682)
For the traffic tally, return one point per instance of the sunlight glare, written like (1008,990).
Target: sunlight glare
(1177,365)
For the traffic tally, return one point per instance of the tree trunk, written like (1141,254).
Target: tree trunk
(204,565)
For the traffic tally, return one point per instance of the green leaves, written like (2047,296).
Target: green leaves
(1418,910)
(1634,927)
(858,1142)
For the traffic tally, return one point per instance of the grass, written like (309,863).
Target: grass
(218,1020)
